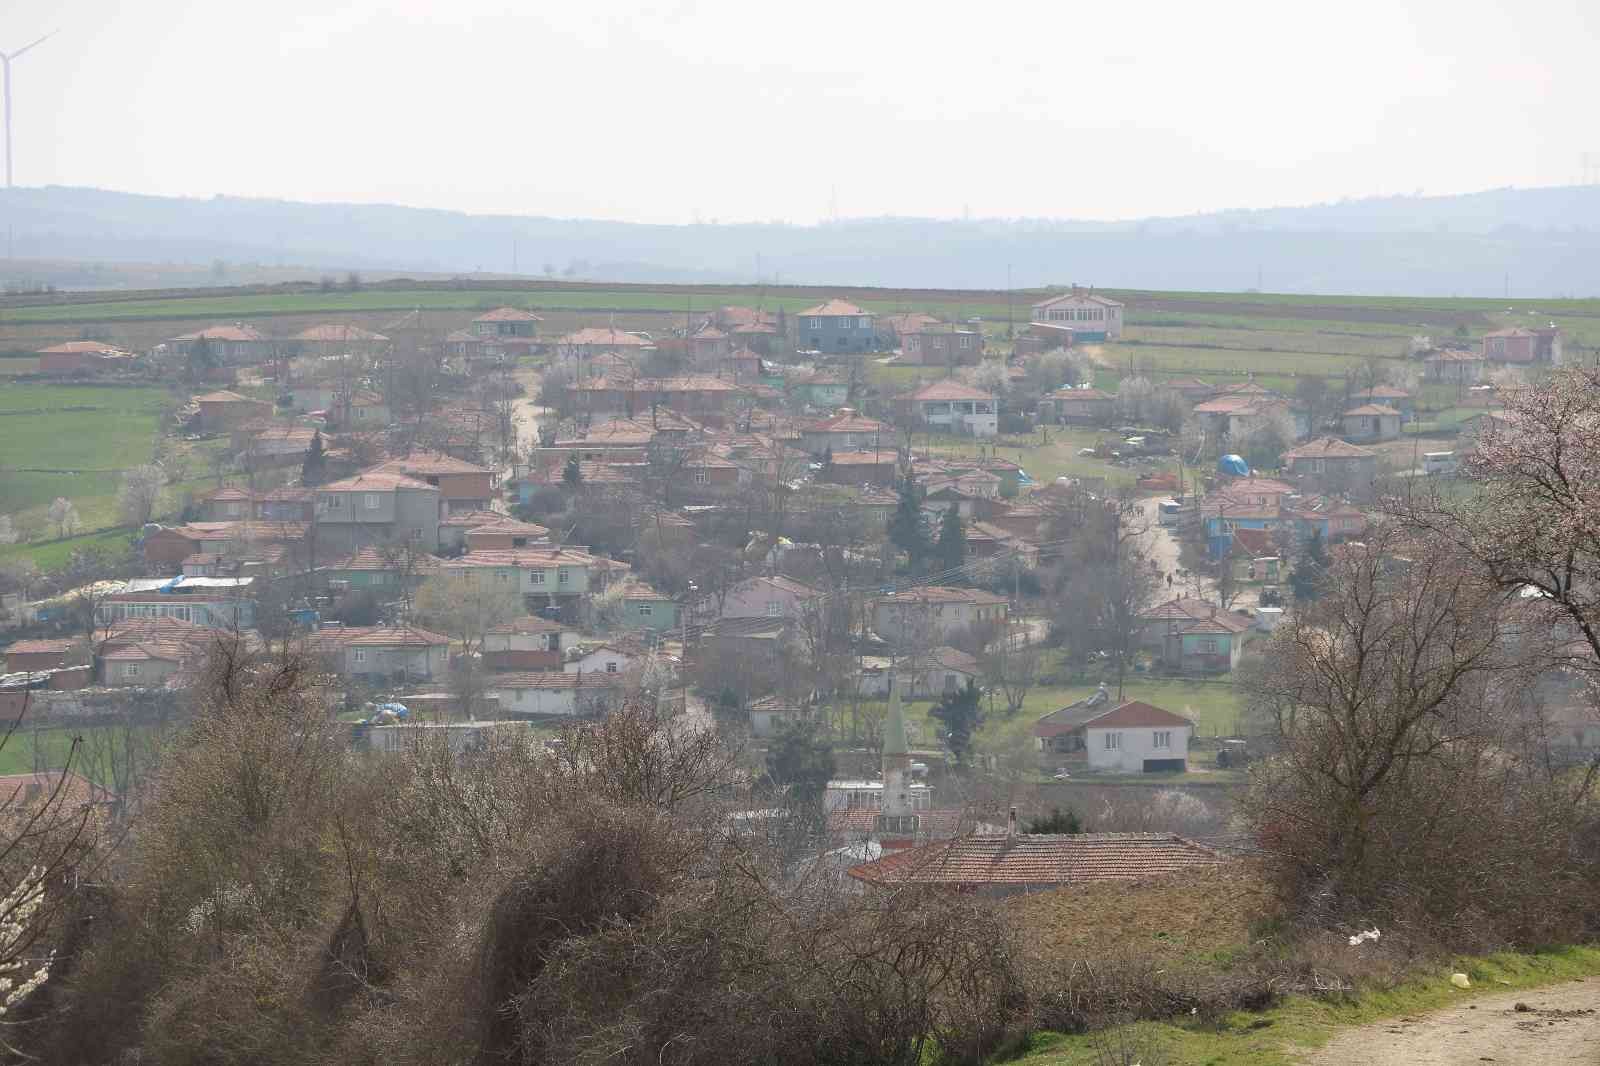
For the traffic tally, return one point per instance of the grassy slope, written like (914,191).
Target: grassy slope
(1274,1037)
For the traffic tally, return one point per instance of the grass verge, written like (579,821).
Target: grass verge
(1275,1037)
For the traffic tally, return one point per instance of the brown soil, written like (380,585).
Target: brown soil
(1555,1025)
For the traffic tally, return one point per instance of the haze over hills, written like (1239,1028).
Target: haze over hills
(1530,242)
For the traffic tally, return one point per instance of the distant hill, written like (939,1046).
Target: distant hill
(1546,240)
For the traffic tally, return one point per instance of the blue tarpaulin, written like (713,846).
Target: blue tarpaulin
(1233,464)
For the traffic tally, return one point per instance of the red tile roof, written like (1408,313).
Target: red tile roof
(41,647)
(338,333)
(1329,448)
(1372,409)
(1030,859)
(421,462)
(238,332)
(594,335)
(943,594)
(595,679)
(376,481)
(833,309)
(383,637)
(371,558)
(949,390)
(508,314)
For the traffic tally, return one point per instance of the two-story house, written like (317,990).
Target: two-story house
(223,410)
(930,615)
(772,596)
(1090,316)
(1523,346)
(836,326)
(375,508)
(544,575)
(941,345)
(507,322)
(462,486)
(235,345)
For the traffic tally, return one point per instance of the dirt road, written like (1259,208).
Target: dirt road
(1554,1025)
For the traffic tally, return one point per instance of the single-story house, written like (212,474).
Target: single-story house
(566,695)
(771,714)
(383,652)
(1194,636)
(927,677)
(1371,422)
(27,656)
(83,357)
(528,644)
(1133,737)
(1084,407)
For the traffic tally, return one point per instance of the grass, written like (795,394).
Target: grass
(1275,1037)
(1214,705)
(84,436)
(54,554)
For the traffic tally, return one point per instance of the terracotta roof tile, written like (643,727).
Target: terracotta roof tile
(1038,859)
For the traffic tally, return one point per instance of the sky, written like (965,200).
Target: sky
(675,112)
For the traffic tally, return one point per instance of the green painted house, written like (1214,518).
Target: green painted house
(645,608)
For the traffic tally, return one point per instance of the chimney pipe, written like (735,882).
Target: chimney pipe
(1011,823)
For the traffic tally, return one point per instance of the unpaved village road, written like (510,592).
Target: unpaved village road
(1557,1025)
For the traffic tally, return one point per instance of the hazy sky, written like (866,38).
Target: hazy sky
(668,112)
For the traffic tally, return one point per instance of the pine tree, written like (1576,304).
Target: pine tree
(952,548)
(1310,569)
(960,712)
(315,469)
(905,528)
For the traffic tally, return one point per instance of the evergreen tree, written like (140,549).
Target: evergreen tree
(952,548)
(906,531)
(314,471)
(572,473)
(1310,569)
(960,713)
(801,759)
(1059,822)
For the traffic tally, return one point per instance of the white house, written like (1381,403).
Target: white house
(1090,317)
(1133,737)
(956,407)
(599,659)
(868,796)
(567,695)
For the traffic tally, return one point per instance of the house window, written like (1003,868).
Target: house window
(774,608)
(1113,741)
(358,655)
(181,613)
(373,501)
(1161,739)
(646,610)
(502,575)
(845,323)
(536,577)
(949,682)
(700,477)
(1208,647)
(865,323)
(813,323)
(611,667)
(563,575)
(416,534)
(233,510)
(130,669)
(335,503)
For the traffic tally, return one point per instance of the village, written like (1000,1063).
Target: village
(493,526)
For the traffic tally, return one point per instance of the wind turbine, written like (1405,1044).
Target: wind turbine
(5,62)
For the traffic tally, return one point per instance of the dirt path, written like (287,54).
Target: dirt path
(1554,1025)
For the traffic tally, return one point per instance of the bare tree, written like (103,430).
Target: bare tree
(64,516)
(1010,664)
(142,493)
(1109,582)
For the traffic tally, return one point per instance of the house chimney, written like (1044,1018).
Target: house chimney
(1011,823)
